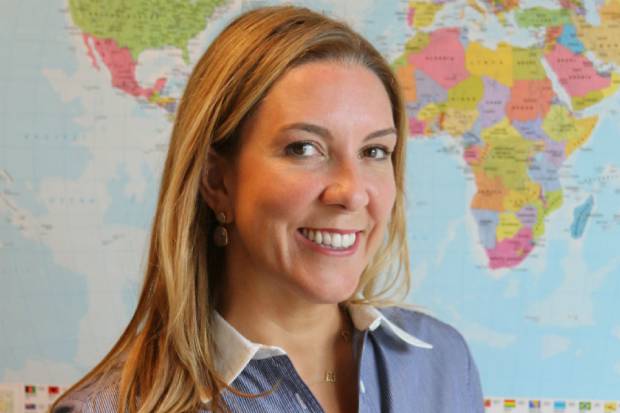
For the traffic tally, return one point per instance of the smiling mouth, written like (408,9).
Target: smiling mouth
(328,239)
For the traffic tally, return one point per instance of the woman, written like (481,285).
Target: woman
(279,227)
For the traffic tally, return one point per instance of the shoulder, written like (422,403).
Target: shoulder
(96,396)
(449,352)
(425,327)
(449,362)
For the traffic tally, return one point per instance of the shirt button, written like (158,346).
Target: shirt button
(301,401)
(362,387)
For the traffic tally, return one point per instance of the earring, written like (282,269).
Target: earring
(220,237)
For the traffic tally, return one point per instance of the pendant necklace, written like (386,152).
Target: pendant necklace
(330,375)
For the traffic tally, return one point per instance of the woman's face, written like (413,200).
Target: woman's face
(312,187)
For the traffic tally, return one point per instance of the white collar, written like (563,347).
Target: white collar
(234,351)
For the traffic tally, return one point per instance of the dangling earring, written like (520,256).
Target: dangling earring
(220,236)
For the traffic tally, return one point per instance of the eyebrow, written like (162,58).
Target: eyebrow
(324,133)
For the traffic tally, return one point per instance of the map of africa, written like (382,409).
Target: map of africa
(513,179)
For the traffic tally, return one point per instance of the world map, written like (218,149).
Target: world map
(513,175)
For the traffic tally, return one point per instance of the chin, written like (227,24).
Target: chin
(332,293)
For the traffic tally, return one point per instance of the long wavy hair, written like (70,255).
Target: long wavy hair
(166,354)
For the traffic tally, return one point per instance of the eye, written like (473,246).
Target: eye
(302,149)
(376,152)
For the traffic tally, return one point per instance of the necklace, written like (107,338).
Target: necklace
(330,375)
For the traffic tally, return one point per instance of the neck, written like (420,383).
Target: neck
(316,338)
(291,325)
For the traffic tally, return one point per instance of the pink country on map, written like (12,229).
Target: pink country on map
(511,251)
(122,67)
(443,59)
(576,73)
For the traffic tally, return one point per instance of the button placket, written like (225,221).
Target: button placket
(304,395)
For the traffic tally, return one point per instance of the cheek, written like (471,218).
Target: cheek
(270,197)
(383,195)
(268,210)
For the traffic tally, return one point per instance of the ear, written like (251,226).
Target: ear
(215,184)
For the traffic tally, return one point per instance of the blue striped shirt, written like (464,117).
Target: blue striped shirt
(407,362)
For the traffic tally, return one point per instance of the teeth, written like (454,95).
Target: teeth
(348,239)
(329,239)
(318,238)
(337,241)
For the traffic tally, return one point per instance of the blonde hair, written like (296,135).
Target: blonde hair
(165,354)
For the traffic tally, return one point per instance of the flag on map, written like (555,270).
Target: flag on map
(559,406)
(487,403)
(534,405)
(53,390)
(32,390)
(510,403)
(584,406)
(611,407)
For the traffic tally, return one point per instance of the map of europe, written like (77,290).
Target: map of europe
(513,179)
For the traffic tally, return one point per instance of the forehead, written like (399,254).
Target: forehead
(329,93)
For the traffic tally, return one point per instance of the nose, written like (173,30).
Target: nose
(346,187)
